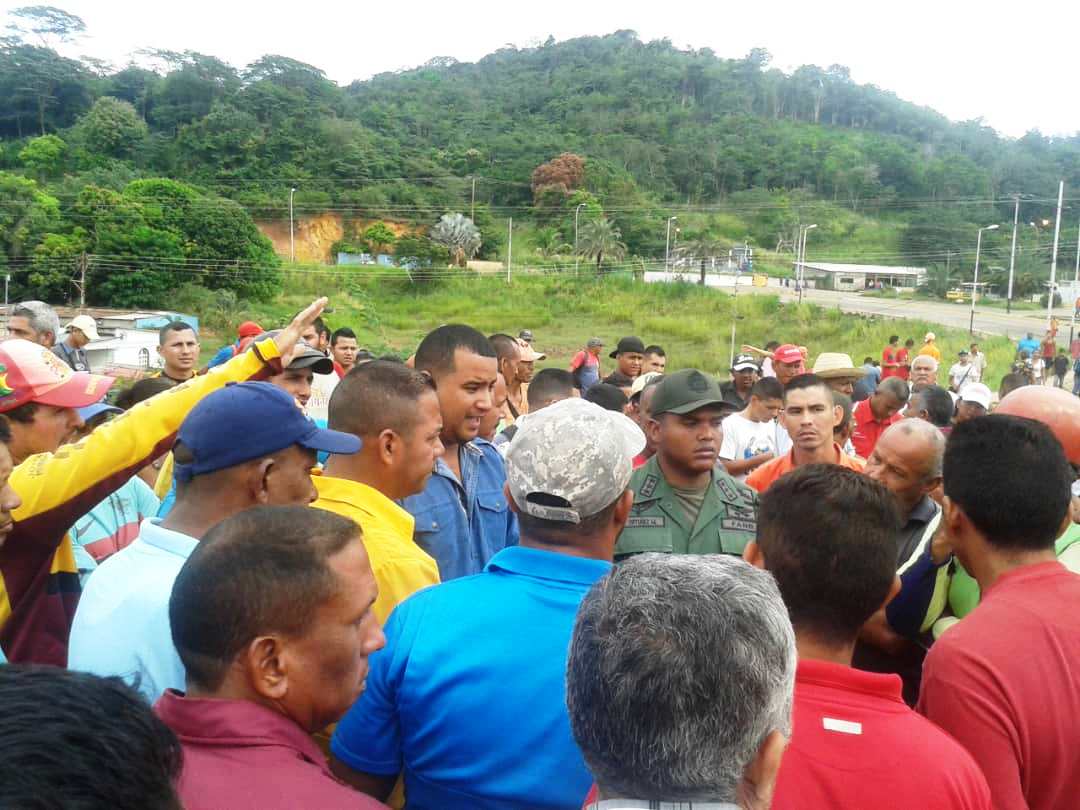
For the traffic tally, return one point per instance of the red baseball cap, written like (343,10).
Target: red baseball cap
(248,329)
(30,372)
(788,353)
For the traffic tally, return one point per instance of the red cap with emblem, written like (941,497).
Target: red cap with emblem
(31,373)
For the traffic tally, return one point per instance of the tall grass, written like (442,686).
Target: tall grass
(692,323)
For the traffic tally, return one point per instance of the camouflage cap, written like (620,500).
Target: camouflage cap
(570,460)
(684,392)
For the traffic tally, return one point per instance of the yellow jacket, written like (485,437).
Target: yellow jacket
(39,581)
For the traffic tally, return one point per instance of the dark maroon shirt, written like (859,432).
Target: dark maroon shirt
(246,757)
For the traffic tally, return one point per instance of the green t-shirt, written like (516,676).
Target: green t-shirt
(691,501)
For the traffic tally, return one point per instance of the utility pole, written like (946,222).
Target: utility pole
(667,246)
(1076,291)
(576,256)
(7,280)
(1053,258)
(802,261)
(975,280)
(80,285)
(1012,254)
(292,241)
(509,246)
(472,203)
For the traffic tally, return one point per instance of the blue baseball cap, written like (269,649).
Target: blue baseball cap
(245,421)
(90,411)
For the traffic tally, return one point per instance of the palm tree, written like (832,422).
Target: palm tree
(600,238)
(549,242)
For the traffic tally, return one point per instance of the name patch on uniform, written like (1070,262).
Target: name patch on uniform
(739,525)
(843,726)
(648,487)
(645,522)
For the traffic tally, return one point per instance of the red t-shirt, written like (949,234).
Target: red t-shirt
(856,744)
(888,359)
(1005,682)
(867,429)
(244,756)
(903,372)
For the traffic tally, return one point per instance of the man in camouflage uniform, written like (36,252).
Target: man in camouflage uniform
(683,502)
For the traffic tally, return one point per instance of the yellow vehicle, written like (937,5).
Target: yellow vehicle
(957,295)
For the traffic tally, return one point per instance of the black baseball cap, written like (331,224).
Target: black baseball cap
(629,345)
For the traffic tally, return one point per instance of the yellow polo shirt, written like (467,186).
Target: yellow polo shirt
(401,567)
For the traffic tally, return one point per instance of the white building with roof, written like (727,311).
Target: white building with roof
(859,277)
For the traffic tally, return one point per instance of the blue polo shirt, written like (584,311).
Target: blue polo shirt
(463,523)
(121,626)
(468,697)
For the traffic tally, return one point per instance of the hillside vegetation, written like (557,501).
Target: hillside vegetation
(692,323)
(734,148)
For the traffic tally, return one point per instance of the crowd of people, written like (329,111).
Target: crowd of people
(305,576)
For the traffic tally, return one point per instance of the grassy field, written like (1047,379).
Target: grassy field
(692,323)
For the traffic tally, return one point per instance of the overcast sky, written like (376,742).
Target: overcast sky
(1015,68)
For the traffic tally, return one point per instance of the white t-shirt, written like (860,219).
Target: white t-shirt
(962,376)
(745,439)
(322,388)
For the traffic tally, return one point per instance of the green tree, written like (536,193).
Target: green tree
(600,238)
(379,238)
(26,216)
(54,265)
(111,127)
(44,155)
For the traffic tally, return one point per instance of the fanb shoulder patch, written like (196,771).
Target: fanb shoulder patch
(648,487)
(645,522)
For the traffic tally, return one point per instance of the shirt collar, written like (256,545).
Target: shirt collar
(1019,576)
(356,495)
(532,562)
(152,533)
(924,511)
(442,468)
(848,679)
(234,723)
(646,804)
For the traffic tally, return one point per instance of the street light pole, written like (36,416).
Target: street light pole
(292,241)
(975,282)
(667,246)
(1053,258)
(1012,255)
(802,262)
(576,212)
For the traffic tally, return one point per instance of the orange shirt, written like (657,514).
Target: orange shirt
(762,478)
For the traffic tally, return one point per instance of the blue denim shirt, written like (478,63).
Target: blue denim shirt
(463,524)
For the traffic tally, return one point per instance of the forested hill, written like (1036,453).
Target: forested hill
(660,130)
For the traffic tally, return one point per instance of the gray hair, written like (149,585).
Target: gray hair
(894,387)
(41,316)
(679,668)
(924,358)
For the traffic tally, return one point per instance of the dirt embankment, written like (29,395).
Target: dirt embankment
(315,234)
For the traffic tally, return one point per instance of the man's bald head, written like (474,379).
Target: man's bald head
(924,439)
(907,460)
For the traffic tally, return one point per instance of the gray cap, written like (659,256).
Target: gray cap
(594,343)
(573,451)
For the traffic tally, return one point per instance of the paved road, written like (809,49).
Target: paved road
(988,320)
